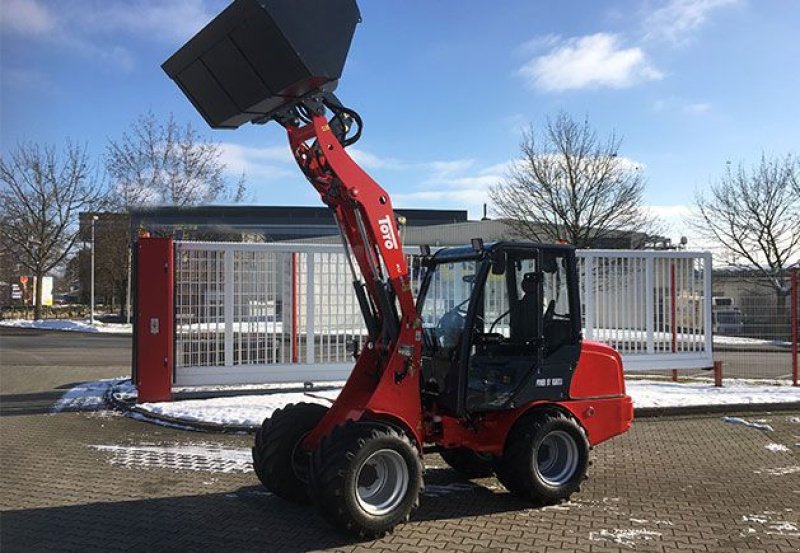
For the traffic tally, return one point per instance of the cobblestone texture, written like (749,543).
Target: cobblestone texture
(102,482)
(668,485)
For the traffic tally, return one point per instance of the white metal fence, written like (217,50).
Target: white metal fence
(252,313)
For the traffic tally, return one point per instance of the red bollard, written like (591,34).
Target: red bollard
(718,374)
(795,323)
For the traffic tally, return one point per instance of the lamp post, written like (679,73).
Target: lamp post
(91,300)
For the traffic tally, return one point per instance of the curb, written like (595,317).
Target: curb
(723,409)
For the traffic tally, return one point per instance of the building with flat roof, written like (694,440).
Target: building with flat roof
(265,223)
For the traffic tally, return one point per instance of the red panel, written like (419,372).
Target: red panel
(154,321)
(602,419)
(599,372)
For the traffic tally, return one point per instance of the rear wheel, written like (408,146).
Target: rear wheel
(468,462)
(367,478)
(278,460)
(545,458)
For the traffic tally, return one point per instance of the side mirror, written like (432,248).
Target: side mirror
(499,260)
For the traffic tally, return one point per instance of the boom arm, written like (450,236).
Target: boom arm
(363,211)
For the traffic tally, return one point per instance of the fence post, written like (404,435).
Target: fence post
(294,308)
(795,323)
(718,374)
(310,291)
(649,305)
(672,322)
(588,283)
(228,311)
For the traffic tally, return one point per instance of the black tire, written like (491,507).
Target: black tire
(359,453)
(545,458)
(277,460)
(468,462)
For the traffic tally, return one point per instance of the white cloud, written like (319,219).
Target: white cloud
(672,104)
(28,17)
(592,61)
(258,164)
(678,19)
(92,28)
(368,160)
(454,184)
(176,20)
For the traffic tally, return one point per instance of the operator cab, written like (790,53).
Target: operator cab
(501,325)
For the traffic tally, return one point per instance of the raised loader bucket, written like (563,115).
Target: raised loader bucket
(260,56)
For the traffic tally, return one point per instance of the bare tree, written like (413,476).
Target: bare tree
(159,163)
(42,192)
(570,184)
(754,214)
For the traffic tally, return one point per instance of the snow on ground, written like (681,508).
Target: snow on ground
(629,537)
(772,523)
(87,396)
(779,471)
(673,394)
(758,425)
(235,410)
(251,410)
(69,325)
(742,341)
(201,456)
(777,448)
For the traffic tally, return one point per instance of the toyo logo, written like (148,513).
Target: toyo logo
(387,233)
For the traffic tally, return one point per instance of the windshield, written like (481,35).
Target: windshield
(445,308)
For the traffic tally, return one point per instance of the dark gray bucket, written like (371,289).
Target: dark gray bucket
(259,56)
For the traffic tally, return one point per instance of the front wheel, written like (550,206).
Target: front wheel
(545,458)
(278,459)
(367,478)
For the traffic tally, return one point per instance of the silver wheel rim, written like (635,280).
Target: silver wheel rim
(556,458)
(382,482)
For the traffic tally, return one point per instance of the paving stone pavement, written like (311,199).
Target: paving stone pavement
(102,482)
(99,481)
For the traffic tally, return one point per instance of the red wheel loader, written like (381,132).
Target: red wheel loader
(487,366)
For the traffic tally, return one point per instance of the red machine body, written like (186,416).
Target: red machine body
(374,389)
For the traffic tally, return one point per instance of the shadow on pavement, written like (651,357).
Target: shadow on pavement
(246,519)
(34,403)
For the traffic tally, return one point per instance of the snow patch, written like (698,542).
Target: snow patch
(69,325)
(87,396)
(771,523)
(671,394)
(779,471)
(628,537)
(794,420)
(251,410)
(777,448)
(202,457)
(751,424)
(236,410)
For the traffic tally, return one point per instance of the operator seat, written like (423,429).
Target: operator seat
(525,316)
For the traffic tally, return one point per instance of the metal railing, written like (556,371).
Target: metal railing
(252,313)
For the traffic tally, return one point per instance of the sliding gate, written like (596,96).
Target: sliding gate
(255,313)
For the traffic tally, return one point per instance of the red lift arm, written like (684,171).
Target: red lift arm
(363,210)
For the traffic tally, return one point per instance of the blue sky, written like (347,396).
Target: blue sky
(444,87)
